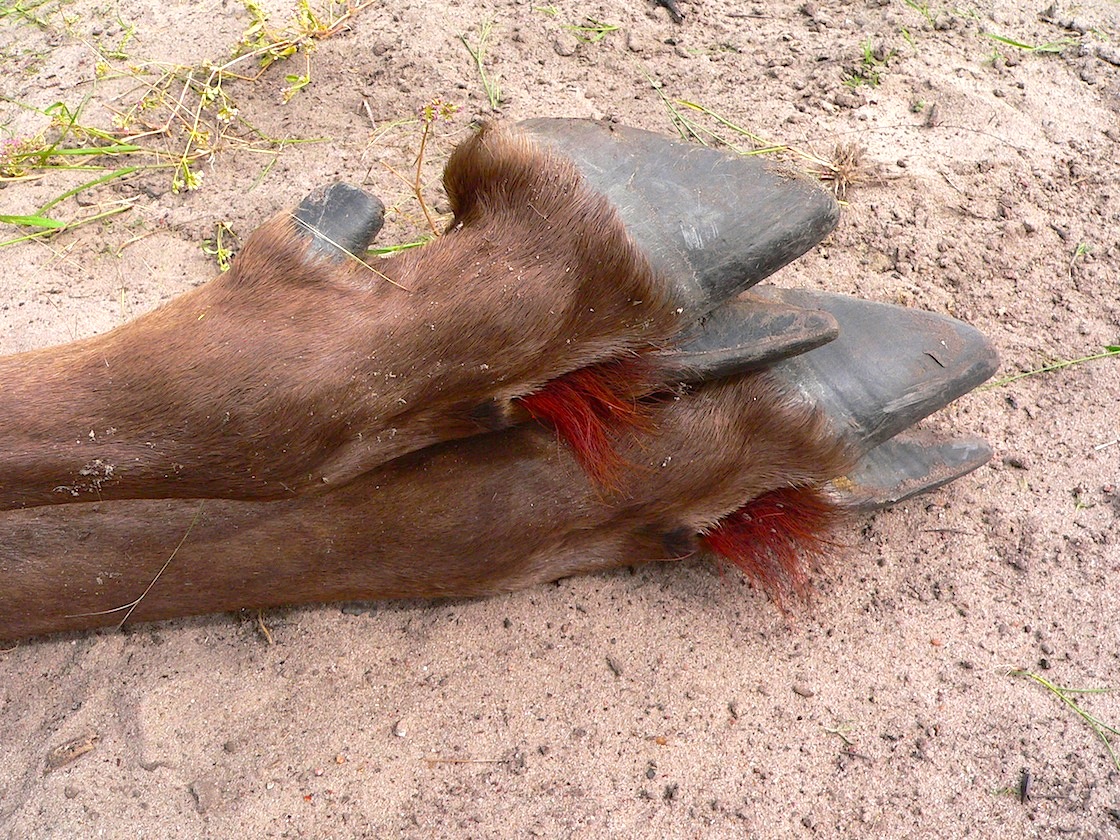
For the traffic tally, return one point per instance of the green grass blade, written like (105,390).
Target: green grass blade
(64,226)
(115,149)
(1109,351)
(116,173)
(763,144)
(489,84)
(1095,723)
(34,221)
(389,250)
(1049,47)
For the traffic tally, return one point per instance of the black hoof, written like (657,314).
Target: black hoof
(711,222)
(340,220)
(746,334)
(910,463)
(874,369)
(889,368)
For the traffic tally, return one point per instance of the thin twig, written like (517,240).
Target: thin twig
(131,607)
(419,175)
(264,628)
(1108,351)
(136,603)
(314,231)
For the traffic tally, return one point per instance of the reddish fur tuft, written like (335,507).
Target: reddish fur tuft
(770,538)
(591,406)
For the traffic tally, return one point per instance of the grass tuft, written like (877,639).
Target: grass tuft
(923,9)
(843,170)
(592,31)
(869,71)
(178,116)
(1067,696)
(478,53)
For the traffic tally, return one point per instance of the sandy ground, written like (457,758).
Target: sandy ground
(663,701)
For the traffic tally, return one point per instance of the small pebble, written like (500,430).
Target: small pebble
(565,45)
(206,794)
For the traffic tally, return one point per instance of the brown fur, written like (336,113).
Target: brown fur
(489,513)
(291,373)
